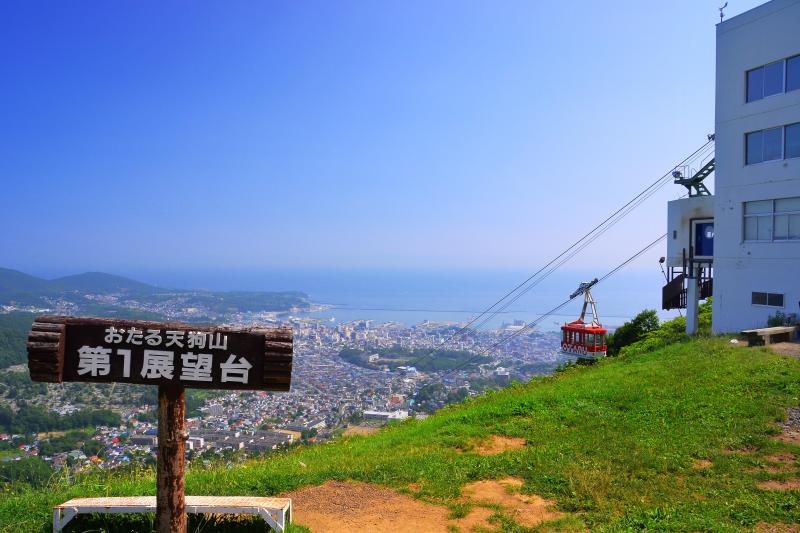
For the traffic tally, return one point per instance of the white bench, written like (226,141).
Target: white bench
(276,512)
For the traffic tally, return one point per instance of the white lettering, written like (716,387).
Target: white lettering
(94,361)
(235,372)
(196,367)
(158,364)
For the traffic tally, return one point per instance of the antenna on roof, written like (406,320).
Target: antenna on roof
(721,14)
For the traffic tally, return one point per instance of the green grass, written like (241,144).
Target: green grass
(612,444)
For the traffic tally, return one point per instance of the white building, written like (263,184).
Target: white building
(755,230)
(757,182)
(385,415)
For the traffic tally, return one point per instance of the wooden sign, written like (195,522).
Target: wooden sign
(159,353)
(167,354)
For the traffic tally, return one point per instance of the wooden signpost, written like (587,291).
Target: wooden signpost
(172,356)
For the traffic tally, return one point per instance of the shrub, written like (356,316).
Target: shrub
(670,332)
(778,319)
(632,331)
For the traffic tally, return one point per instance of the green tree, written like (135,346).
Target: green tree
(93,447)
(632,331)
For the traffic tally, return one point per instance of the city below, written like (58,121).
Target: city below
(348,378)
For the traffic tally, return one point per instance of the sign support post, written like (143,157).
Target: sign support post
(170,493)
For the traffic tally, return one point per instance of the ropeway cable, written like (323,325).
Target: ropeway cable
(575,248)
(555,309)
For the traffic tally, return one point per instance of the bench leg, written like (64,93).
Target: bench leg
(263,513)
(61,518)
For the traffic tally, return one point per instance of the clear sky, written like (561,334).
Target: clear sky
(411,134)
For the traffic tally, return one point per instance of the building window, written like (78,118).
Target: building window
(774,78)
(793,73)
(772,144)
(792,141)
(770,299)
(755,84)
(772,220)
(764,145)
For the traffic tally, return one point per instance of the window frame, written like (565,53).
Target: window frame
(786,139)
(786,88)
(783,144)
(766,299)
(762,68)
(771,215)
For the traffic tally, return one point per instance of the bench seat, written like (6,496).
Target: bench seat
(276,512)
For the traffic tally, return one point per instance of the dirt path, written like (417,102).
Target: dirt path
(787,348)
(347,506)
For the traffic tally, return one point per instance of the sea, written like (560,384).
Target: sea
(410,297)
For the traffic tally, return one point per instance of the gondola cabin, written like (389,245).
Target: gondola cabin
(581,338)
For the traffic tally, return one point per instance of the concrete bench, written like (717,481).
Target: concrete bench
(768,335)
(276,512)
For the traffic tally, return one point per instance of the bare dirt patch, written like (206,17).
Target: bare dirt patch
(701,464)
(360,430)
(790,429)
(747,450)
(782,457)
(774,484)
(763,527)
(498,444)
(476,520)
(527,509)
(345,506)
(791,349)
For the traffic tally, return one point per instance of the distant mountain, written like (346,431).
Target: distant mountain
(14,281)
(102,282)
(104,294)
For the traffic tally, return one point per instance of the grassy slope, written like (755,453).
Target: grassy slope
(612,443)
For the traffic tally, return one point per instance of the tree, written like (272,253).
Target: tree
(632,331)
(93,447)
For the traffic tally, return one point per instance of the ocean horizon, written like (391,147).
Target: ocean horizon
(414,296)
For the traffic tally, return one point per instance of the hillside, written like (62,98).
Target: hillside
(101,294)
(103,283)
(683,438)
(14,328)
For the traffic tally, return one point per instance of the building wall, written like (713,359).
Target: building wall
(767,33)
(680,214)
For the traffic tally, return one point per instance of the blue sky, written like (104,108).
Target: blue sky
(448,134)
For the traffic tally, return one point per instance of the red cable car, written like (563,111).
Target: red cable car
(581,338)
